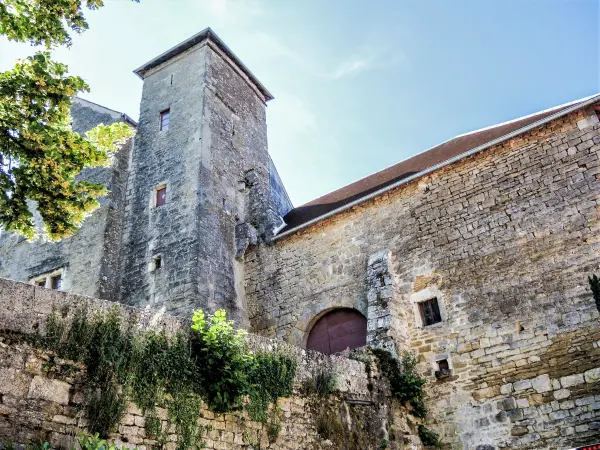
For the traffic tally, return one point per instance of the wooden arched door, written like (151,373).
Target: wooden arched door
(338,330)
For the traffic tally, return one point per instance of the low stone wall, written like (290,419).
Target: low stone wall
(41,395)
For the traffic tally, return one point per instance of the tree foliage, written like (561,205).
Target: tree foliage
(40,155)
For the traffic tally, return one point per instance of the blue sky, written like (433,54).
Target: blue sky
(358,85)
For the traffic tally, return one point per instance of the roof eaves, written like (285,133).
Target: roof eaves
(205,34)
(473,151)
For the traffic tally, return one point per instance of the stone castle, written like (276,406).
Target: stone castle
(475,254)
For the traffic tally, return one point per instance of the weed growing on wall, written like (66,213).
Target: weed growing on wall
(210,366)
(406,385)
(322,383)
(428,437)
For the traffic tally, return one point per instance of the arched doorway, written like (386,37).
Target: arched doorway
(338,330)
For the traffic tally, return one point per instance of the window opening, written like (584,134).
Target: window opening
(430,312)
(157,262)
(56,281)
(164,119)
(161,196)
(443,369)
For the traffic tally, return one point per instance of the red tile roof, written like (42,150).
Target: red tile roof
(418,163)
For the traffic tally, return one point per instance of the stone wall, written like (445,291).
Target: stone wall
(37,403)
(505,240)
(89,259)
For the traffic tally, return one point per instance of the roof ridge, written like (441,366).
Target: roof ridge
(124,115)
(422,164)
(469,133)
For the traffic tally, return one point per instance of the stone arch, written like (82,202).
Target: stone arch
(336,329)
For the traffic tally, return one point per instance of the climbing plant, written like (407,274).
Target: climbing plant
(209,365)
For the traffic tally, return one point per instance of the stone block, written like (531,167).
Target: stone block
(571,380)
(51,390)
(522,385)
(13,382)
(561,394)
(593,375)
(507,404)
(515,415)
(541,383)
(519,431)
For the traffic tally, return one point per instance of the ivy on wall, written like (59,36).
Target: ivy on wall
(210,365)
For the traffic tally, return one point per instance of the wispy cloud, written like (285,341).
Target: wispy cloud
(367,58)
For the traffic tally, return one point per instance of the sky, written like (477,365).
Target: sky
(358,85)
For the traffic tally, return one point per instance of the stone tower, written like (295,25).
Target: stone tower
(201,187)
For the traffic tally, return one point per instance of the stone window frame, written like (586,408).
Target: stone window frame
(155,189)
(441,357)
(423,296)
(48,277)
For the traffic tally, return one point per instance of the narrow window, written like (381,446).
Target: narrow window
(164,119)
(56,281)
(41,283)
(430,312)
(161,196)
(157,262)
(443,369)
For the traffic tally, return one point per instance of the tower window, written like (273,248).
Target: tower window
(430,312)
(161,196)
(164,119)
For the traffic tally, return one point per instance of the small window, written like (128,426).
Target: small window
(56,281)
(161,196)
(157,262)
(164,119)
(443,369)
(41,283)
(430,312)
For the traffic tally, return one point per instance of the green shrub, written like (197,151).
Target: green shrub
(428,437)
(222,361)
(210,365)
(406,385)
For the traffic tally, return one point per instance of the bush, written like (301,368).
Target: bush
(406,385)
(428,437)
(210,365)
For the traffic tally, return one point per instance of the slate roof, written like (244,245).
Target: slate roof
(311,211)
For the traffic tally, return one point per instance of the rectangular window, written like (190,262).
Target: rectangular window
(56,281)
(430,312)
(157,262)
(161,196)
(164,119)
(443,369)
(41,283)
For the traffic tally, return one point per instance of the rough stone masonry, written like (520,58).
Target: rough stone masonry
(474,254)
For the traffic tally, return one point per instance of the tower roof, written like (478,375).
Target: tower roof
(206,34)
